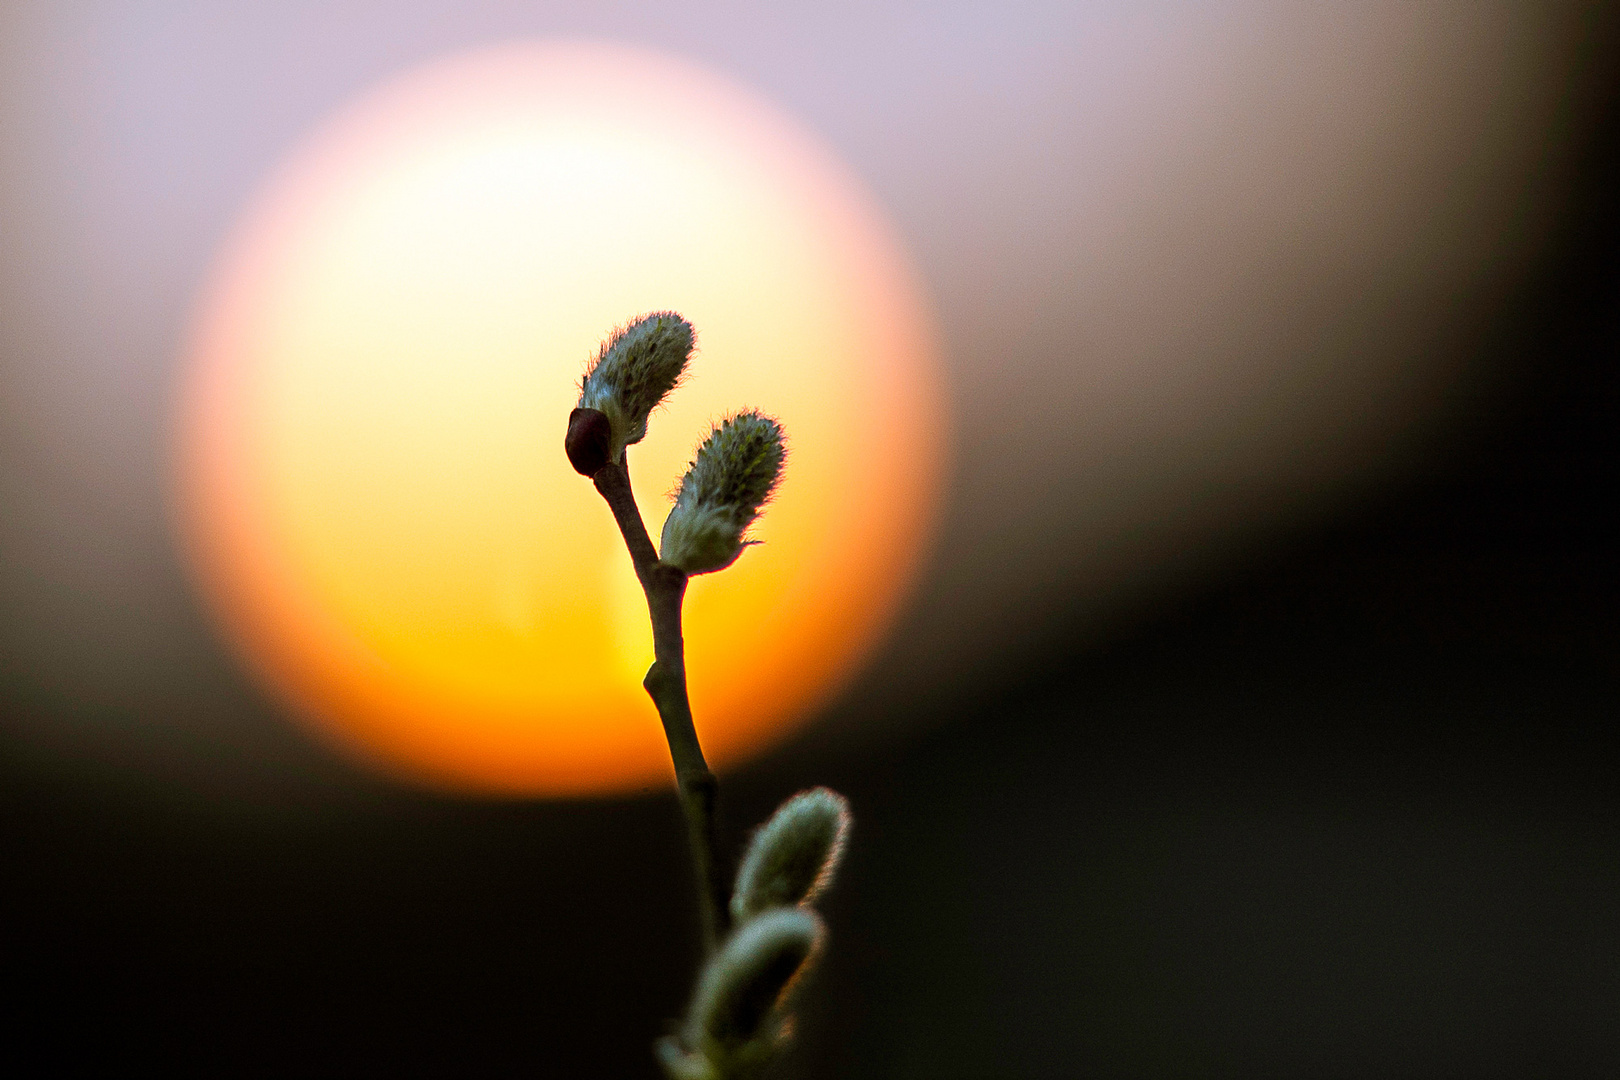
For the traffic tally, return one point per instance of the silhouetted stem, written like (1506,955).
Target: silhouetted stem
(665,683)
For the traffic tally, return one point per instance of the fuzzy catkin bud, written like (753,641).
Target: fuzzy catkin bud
(733,474)
(740,998)
(793,856)
(635,369)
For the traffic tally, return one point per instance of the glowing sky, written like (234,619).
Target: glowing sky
(372,485)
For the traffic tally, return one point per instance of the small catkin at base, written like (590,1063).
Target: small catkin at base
(793,856)
(738,1017)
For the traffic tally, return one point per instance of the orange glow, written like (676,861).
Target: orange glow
(372,487)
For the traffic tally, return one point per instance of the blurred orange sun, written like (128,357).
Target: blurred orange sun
(372,488)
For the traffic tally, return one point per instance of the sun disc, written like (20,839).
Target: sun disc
(371,485)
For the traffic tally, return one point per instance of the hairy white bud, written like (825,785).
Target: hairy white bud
(738,1012)
(733,474)
(793,856)
(635,369)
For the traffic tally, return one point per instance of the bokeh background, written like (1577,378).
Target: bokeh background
(1250,718)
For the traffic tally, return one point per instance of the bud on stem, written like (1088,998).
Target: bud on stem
(738,1011)
(734,473)
(635,369)
(793,855)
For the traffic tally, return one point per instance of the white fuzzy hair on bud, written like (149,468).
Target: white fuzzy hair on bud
(733,474)
(793,856)
(737,1019)
(635,369)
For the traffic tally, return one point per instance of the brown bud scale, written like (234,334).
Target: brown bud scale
(589,435)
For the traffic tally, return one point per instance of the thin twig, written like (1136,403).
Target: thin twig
(665,587)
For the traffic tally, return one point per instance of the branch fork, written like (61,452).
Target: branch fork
(665,682)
